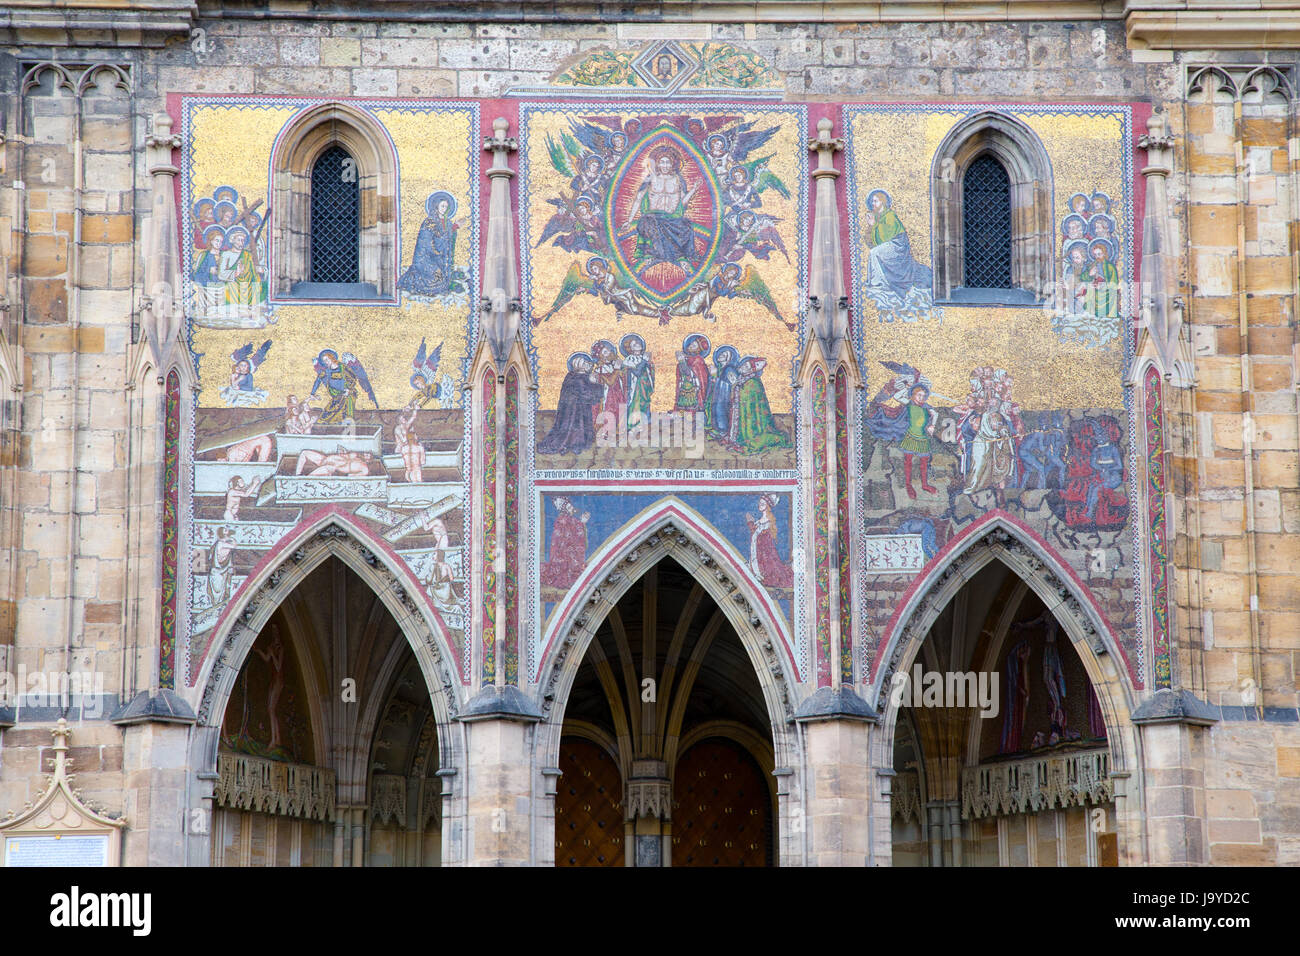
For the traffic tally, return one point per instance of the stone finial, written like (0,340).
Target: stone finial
(826,293)
(501,306)
(1156,141)
(160,144)
(61,732)
(824,140)
(499,143)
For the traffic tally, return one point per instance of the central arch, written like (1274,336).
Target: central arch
(329,535)
(671,529)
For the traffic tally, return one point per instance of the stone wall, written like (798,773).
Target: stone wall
(79,460)
(1235,470)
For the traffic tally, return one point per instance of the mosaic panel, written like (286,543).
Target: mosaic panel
(304,405)
(974,408)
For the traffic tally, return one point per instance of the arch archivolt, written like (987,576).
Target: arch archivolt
(336,537)
(669,529)
(1047,577)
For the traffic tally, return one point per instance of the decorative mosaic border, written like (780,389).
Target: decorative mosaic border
(170,530)
(821,534)
(1153,411)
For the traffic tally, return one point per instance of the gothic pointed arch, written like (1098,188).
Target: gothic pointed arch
(670,528)
(989,138)
(370,164)
(1000,538)
(331,534)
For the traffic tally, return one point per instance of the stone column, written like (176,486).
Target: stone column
(648,810)
(1172,729)
(837,797)
(155,774)
(498,780)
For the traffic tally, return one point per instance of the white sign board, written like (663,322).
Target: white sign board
(57,850)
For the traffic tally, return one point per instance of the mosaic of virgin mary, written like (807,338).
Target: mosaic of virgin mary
(432,275)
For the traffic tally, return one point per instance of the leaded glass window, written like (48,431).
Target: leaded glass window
(986,225)
(335,219)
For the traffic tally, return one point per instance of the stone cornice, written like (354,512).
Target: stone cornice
(1150,24)
(672,11)
(99,23)
(1252,25)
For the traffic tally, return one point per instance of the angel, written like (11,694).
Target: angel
(717,150)
(241,391)
(577,227)
(599,280)
(586,154)
(341,379)
(590,177)
(755,234)
(424,381)
(728,150)
(609,141)
(731,281)
(740,195)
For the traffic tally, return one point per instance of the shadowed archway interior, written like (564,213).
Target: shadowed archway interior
(667,755)
(1000,749)
(329,746)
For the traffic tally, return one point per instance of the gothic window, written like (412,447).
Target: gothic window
(986,225)
(335,228)
(334,208)
(991,191)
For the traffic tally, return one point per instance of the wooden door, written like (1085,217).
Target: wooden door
(588,806)
(722,808)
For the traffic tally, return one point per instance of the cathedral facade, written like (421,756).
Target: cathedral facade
(845,434)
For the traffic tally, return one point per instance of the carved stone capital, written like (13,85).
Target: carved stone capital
(834,145)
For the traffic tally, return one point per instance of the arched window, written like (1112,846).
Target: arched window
(991,189)
(335,226)
(334,210)
(986,225)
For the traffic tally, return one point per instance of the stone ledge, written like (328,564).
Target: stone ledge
(828,704)
(164,707)
(675,11)
(500,703)
(148,24)
(1175,707)
(1229,28)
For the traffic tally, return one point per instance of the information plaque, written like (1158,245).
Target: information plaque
(57,850)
